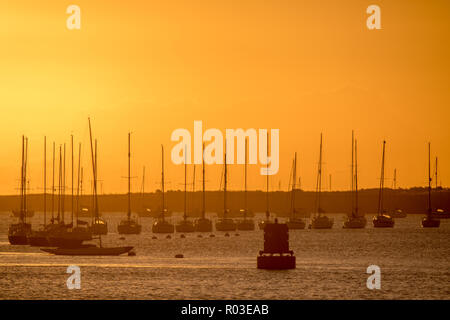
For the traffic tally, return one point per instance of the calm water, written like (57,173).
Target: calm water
(331,264)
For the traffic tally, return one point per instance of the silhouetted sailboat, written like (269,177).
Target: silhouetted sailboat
(90,249)
(185,225)
(203,224)
(264,222)
(38,238)
(382,220)
(18,232)
(130,225)
(224,223)
(245,224)
(294,223)
(69,235)
(355,220)
(98,226)
(320,221)
(161,225)
(397,212)
(145,212)
(428,221)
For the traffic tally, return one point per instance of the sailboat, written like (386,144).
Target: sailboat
(145,212)
(18,232)
(355,220)
(428,221)
(382,220)
(320,221)
(98,226)
(245,224)
(224,223)
(203,224)
(90,249)
(161,225)
(397,212)
(129,225)
(38,238)
(294,223)
(185,225)
(262,224)
(70,235)
(439,213)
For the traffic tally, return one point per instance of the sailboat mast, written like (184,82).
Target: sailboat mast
(395,179)
(22,208)
(245,179)
(429,179)
(143,186)
(45,181)
(319,177)
(203,184)
(53,185)
(72,196)
(94,169)
(129,176)
(352,177)
(267,176)
(97,214)
(63,190)
(356,178)
(294,179)
(59,184)
(25,181)
(380,195)
(225,184)
(185,183)
(162,181)
(78,183)
(436,173)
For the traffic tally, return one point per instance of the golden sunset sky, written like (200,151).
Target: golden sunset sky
(303,67)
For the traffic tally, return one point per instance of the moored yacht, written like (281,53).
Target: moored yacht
(262,224)
(185,225)
(224,223)
(294,222)
(18,232)
(354,220)
(382,219)
(129,225)
(203,224)
(245,224)
(428,221)
(161,225)
(319,221)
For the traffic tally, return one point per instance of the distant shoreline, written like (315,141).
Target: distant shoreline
(413,201)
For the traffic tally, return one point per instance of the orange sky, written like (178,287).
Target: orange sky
(303,67)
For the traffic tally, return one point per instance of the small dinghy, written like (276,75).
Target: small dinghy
(88,251)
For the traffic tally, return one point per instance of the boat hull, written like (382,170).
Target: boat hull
(18,233)
(383,221)
(162,226)
(38,239)
(129,227)
(296,224)
(203,225)
(321,222)
(89,251)
(18,239)
(185,226)
(430,223)
(355,223)
(225,225)
(245,225)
